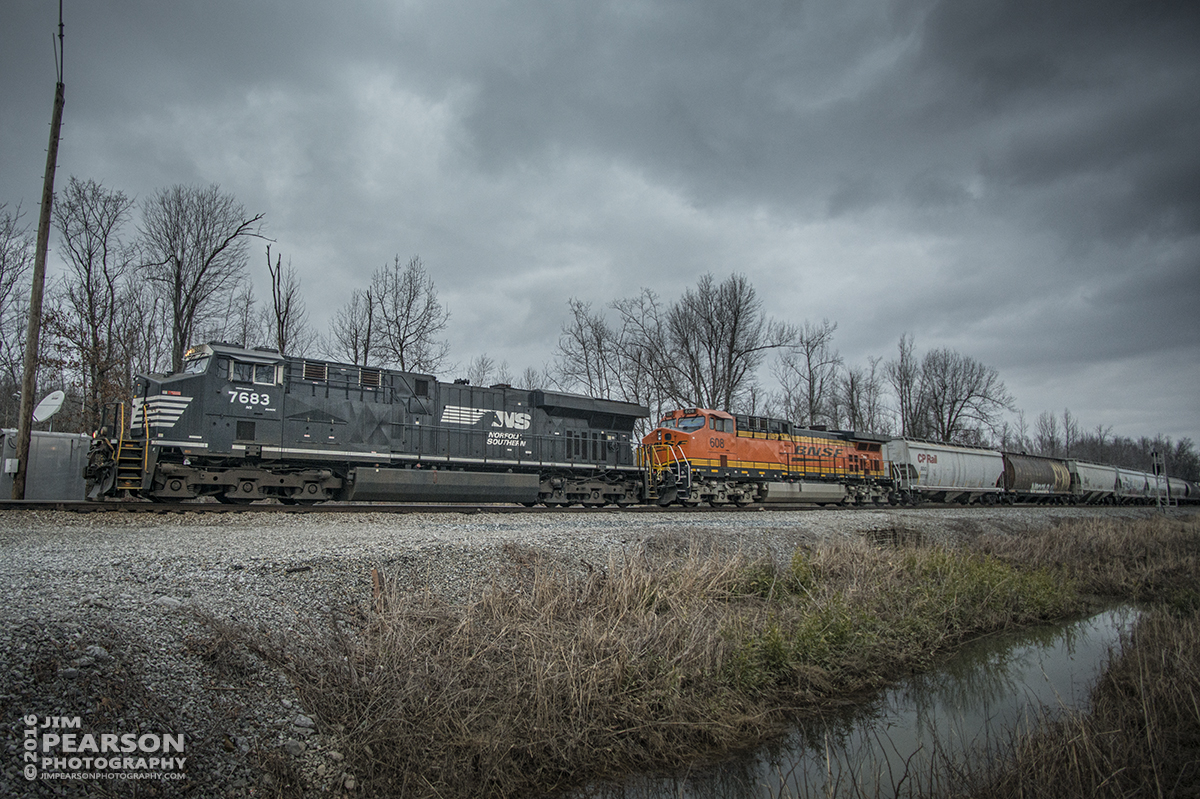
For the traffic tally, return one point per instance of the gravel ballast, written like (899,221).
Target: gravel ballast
(101,615)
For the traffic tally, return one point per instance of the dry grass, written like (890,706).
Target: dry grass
(547,679)
(550,678)
(1152,560)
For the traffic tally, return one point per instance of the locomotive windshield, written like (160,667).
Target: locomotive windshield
(195,366)
(685,424)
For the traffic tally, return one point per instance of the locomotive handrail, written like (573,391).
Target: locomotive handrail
(677,461)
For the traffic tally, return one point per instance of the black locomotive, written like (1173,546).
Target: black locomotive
(241,425)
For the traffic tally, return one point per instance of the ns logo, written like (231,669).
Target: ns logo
(515,420)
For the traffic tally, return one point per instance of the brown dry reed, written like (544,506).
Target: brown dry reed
(1153,559)
(550,679)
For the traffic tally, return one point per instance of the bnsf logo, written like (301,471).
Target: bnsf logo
(924,458)
(819,452)
(516,420)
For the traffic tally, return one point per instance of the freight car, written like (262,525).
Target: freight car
(925,471)
(241,425)
(1036,479)
(697,455)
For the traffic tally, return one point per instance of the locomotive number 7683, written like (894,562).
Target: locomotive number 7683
(249,398)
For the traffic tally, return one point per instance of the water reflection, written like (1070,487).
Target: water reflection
(992,686)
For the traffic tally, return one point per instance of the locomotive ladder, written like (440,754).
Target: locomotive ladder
(130,456)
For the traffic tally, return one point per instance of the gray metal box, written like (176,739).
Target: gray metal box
(56,462)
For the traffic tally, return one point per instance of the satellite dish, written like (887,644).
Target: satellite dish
(48,406)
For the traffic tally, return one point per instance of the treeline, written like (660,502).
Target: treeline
(144,281)
(708,348)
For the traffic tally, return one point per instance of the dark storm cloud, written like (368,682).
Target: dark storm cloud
(1012,178)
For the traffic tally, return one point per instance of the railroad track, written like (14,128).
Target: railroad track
(382,507)
(349,507)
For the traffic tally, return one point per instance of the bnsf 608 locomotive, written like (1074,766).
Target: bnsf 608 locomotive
(240,425)
(699,455)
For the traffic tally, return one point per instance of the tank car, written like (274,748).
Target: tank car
(1183,491)
(698,455)
(1093,483)
(241,425)
(945,472)
(1037,479)
(1133,487)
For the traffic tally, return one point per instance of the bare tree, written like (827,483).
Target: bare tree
(962,395)
(92,293)
(144,333)
(479,373)
(288,320)
(409,317)
(1071,432)
(532,379)
(642,372)
(241,323)
(195,240)
(1023,432)
(904,375)
(717,336)
(808,375)
(1046,432)
(16,259)
(1015,437)
(861,392)
(353,330)
(588,353)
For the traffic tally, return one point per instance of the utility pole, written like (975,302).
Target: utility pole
(39,280)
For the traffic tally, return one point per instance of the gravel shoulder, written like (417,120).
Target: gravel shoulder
(99,618)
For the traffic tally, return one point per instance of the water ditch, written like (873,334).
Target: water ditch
(991,687)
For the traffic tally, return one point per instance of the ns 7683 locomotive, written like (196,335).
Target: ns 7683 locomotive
(240,425)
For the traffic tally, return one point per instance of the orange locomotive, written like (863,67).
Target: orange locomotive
(698,455)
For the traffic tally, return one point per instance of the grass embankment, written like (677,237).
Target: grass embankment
(547,680)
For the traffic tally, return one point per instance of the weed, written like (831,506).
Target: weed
(549,679)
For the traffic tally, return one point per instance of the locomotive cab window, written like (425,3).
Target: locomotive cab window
(242,372)
(196,366)
(262,374)
(689,424)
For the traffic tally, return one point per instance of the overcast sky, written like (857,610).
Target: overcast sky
(1015,179)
